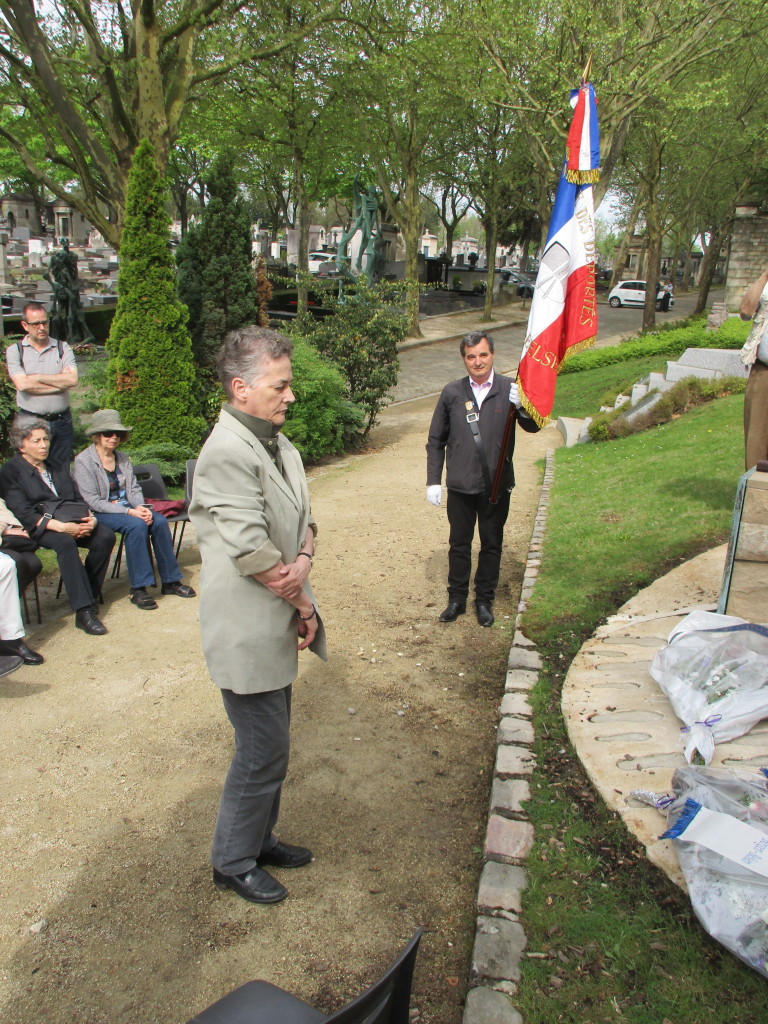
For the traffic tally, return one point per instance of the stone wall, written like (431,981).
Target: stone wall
(749,253)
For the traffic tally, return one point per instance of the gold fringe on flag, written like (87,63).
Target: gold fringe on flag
(531,409)
(588,177)
(580,346)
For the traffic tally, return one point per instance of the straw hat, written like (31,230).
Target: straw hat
(106,419)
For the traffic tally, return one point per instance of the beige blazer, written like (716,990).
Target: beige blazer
(248,516)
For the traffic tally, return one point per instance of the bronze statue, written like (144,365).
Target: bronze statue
(366,221)
(67,315)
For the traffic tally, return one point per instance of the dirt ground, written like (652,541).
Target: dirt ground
(114,753)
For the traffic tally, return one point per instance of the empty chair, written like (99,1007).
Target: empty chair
(258,1002)
(153,487)
(183,516)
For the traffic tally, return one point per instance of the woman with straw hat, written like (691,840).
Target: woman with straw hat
(107,482)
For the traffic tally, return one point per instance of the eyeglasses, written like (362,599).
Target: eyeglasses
(111,433)
(36,323)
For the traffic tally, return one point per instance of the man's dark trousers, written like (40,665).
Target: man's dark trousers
(464,510)
(62,439)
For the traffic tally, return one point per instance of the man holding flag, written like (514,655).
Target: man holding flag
(467,423)
(468,433)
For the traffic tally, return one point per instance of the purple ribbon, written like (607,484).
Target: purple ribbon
(709,722)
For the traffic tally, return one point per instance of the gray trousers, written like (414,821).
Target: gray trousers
(250,802)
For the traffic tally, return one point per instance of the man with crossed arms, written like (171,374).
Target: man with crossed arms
(466,433)
(43,373)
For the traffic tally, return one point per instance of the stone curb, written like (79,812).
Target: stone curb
(500,939)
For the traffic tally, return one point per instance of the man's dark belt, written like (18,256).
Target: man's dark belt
(51,417)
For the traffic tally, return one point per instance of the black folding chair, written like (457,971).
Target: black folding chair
(258,1002)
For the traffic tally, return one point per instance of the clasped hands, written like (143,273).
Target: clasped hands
(141,512)
(80,528)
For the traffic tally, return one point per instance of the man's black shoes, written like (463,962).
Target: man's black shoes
(179,589)
(256,886)
(20,650)
(283,855)
(453,611)
(87,620)
(142,599)
(484,613)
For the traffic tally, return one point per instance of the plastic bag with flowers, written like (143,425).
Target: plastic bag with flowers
(714,670)
(718,820)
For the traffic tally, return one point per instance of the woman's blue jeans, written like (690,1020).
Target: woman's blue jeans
(135,531)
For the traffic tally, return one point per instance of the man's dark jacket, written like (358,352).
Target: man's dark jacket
(451,440)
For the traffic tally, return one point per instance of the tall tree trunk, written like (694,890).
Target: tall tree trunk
(709,263)
(652,232)
(524,255)
(491,236)
(406,212)
(302,225)
(449,233)
(621,255)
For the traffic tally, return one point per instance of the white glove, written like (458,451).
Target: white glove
(514,395)
(434,494)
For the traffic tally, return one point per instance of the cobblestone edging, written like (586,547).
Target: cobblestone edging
(499,937)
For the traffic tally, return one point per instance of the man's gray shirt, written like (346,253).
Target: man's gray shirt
(45,361)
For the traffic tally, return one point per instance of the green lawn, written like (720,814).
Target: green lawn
(582,394)
(618,941)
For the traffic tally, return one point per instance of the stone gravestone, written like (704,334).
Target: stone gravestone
(744,591)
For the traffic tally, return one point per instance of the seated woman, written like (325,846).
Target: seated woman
(106,480)
(11,626)
(26,482)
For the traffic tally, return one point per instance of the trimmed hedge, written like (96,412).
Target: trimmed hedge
(686,394)
(670,343)
(322,419)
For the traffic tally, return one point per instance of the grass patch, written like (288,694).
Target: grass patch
(617,941)
(582,394)
(620,512)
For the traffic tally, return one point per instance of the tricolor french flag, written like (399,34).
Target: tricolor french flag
(563,317)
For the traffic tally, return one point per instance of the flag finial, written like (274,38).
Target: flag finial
(586,74)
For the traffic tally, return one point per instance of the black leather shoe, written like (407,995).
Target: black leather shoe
(453,611)
(283,855)
(87,620)
(484,613)
(9,663)
(179,589)
(256,886)
(20,649)
(142,600)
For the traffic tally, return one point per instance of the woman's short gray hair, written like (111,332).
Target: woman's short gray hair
(23,426)
(246,352)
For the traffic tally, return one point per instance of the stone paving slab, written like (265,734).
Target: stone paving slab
(499,944)
(621,723)
(487,1006)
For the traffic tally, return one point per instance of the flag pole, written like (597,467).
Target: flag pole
(496,487)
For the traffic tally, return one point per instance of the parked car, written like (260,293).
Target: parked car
(525,282)
(632,293)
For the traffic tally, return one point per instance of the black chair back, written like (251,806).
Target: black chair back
(259,1002)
